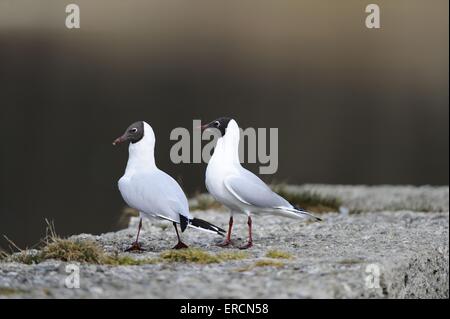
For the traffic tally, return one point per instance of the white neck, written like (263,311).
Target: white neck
(228,145)
(141,155)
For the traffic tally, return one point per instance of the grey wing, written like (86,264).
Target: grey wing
(251,190)
(161,195)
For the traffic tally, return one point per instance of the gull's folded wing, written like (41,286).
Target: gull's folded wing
(159,194)
(250,190)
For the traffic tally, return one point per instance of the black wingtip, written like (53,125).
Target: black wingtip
(183,222)
(197,222)
(318,219)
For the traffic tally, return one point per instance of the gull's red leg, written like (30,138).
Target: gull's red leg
(180,244)
(227,241)
(136,246)
(250,239)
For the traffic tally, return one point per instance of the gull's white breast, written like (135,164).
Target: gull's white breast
(219,168)
(131,194)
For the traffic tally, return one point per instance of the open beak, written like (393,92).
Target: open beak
(119,140)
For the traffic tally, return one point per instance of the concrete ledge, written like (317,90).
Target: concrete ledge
(376,254)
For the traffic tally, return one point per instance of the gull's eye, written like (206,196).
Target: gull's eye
(133,130)
(216,123)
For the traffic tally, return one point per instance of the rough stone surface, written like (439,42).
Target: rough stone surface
(384,197)
(397,247)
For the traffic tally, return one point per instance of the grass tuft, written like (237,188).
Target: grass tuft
(27,257)
(279,254)
(73,251)
(85,252)
(67,250)
(3,255)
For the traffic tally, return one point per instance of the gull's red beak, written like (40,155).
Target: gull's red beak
(119,140)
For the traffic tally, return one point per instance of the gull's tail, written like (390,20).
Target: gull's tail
(206,226)
(296,212)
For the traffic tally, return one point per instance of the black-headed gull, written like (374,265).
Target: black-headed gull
(237,188)
(151,191)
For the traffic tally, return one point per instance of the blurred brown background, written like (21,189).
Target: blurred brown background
(353,105)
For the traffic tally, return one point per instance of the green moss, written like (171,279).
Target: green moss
(6,291)
(194,255)
(268,263)
(279,254)
(128,261)
(262,263)
(309,200)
